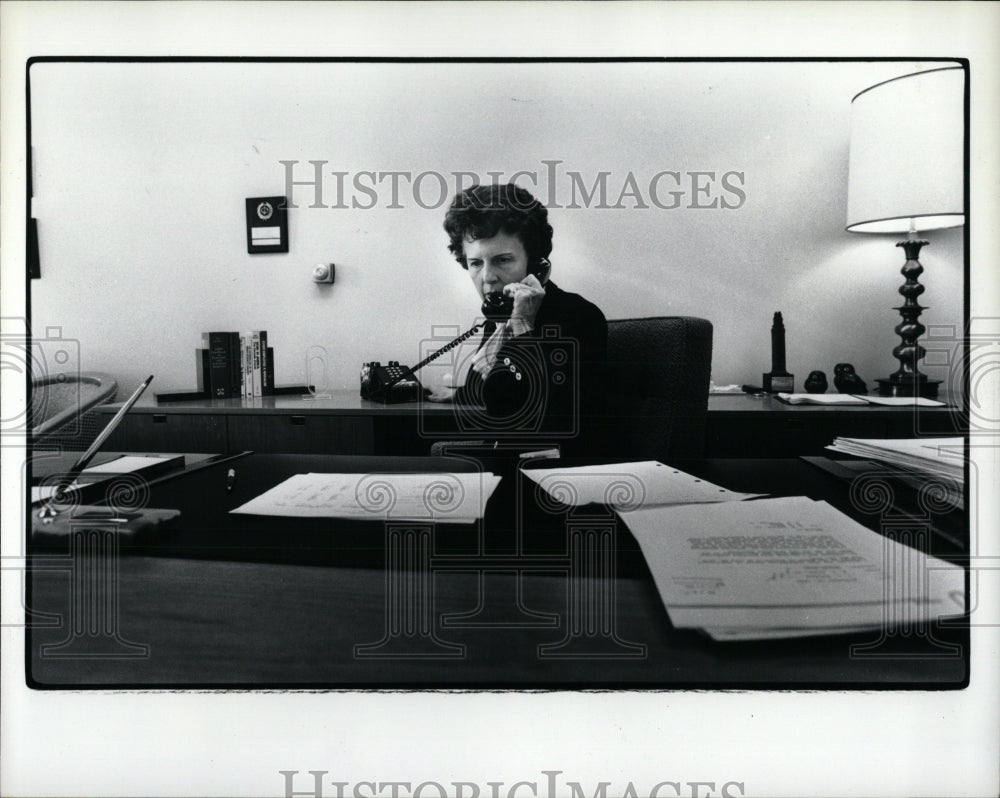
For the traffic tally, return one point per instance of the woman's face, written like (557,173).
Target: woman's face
(495,262)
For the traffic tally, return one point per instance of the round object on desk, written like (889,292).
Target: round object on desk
(816,382)
(847,381)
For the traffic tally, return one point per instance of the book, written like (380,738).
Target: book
(235,364)
(262,334)
(856,399)
(180,396)
(268,375)
(256,376)
(247,360)
(219,369)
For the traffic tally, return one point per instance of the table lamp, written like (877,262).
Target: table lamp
(906,175)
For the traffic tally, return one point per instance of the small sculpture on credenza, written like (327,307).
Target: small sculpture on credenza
(847,381)
(778,379)
(816,382)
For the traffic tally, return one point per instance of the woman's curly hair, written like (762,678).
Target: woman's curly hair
(483,211)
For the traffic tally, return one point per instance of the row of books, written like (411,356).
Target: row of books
(237,365)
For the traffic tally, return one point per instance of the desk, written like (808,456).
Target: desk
(343,423)
(235,620)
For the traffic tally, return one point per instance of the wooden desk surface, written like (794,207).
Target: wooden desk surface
(190,621)
(263,625)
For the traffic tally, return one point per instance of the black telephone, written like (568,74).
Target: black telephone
(390,383)
(394,383)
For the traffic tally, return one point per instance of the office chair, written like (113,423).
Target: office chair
(62,408)
(657,387)
(656,402)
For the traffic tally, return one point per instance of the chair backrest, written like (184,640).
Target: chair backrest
(61,407)
(657,379)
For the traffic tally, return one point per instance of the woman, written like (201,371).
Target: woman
(538,373)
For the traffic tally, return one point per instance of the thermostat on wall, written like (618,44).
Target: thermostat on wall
(267,224)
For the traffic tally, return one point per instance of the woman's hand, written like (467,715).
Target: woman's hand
(443,393)
(528,295)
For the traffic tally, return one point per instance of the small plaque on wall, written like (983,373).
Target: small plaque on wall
(267,225)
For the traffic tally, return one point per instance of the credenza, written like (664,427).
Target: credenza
(738,425)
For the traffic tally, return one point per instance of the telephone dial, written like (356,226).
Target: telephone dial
(395,383)
(390,383)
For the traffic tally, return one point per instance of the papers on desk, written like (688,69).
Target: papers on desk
(441,497)
(857,399)
(628,486)
(943,457)
(787,567)
(820,399)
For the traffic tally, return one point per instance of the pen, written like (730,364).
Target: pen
(230,480)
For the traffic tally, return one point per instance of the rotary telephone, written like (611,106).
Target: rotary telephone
(393,383)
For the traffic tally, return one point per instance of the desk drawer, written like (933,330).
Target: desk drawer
(301,434)
(175,432)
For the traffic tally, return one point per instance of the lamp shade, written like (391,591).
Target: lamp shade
(906,161)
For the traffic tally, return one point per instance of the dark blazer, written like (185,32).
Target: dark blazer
(547,385)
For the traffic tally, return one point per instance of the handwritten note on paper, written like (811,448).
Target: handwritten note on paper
(441,497)
(628,486)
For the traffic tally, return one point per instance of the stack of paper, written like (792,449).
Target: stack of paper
(787,567)
(441,497)
(628,486)
(943,457)
(821,399)
(857,399)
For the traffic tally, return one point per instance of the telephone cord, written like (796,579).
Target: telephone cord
(433,356)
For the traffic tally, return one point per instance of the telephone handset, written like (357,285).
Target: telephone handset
(497,306)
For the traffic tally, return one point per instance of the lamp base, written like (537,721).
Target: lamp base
(779,382)
(928,389)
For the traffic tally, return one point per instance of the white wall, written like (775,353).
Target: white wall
(141,171)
